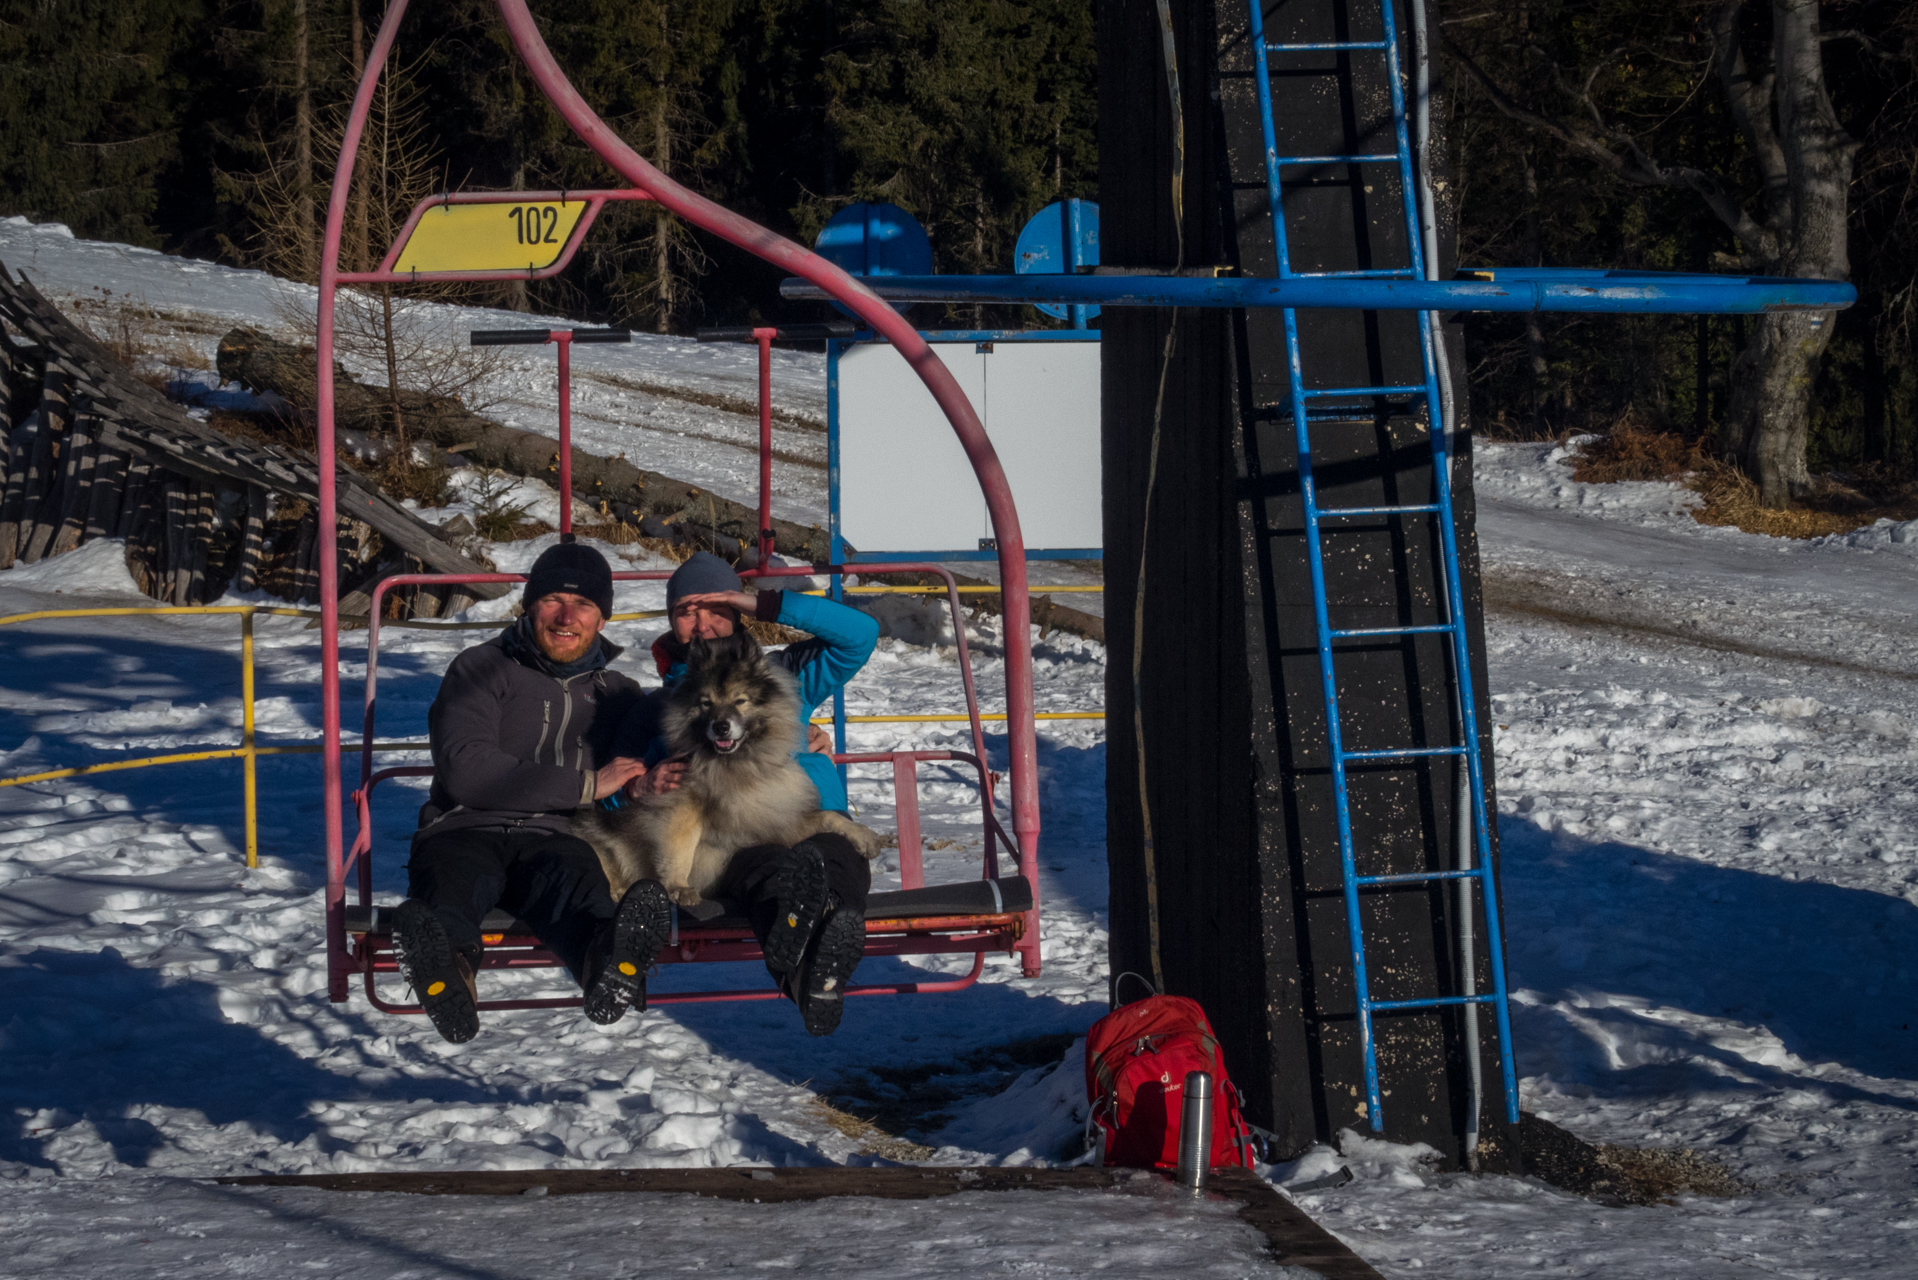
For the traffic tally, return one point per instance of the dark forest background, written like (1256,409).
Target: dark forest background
(205,127)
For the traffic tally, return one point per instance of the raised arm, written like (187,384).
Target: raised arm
(843,638)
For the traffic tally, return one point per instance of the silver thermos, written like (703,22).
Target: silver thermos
(1195,1131)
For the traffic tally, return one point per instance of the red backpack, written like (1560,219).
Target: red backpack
(1137,1058)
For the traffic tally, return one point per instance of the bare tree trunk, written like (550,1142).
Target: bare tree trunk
(515,292)
(1541,368)
(359,242)
(1769,417)
(663,282)
(392,372)
(305,222)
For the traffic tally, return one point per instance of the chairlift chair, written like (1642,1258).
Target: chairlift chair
(976,917)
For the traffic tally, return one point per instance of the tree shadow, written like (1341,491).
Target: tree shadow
(1619,933)
(89,1037)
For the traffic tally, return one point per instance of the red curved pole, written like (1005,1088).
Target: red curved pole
(781,252)
(338,963)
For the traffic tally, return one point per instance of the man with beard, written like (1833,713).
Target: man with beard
(525,729)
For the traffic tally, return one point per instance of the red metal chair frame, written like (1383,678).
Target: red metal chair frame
(792,258)
(976,935)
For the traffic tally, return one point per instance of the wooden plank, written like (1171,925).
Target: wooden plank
(55,417)
(135,508)
(39,471)
(301,564)
(252,541)
(108,492)
(1292,1238)
(20,442)
(76,486)
(173,561)
(200,508)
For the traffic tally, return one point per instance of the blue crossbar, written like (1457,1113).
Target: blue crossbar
(1603,292)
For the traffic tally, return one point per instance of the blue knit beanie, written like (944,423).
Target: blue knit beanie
(702,574)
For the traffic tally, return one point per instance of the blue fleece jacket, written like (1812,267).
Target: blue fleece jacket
(842,640)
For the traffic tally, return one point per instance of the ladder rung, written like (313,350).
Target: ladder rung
(1391,157)
(1435,1002)
(1383,273)
(1363,391)
(1355,632)
(1403,753)
(1274,47)
(1419,876)
(1426,509)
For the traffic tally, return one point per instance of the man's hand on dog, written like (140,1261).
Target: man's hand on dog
(656,781)
(615,774)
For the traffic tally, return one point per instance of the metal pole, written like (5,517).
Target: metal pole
(1195,1131)
(1078,311)
(246,739)
(1022,740)
(565,340)
(765,339)
(337,962)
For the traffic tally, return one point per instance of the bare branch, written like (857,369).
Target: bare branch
(1750,99)
(1619,153)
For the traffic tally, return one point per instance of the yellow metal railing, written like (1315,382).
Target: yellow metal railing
(249,751)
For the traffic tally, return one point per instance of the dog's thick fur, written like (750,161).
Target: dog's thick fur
(734,720)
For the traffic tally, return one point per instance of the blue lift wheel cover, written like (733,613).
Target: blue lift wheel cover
(875,240)
(1043,244)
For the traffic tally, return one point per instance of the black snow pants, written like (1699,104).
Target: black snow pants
(550,881)
(749,876)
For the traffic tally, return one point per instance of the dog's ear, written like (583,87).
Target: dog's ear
(724,651)
(737,647)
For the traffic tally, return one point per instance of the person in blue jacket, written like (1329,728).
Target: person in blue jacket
(807,903)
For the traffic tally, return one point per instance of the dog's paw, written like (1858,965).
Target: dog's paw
(685,895)
(866,842)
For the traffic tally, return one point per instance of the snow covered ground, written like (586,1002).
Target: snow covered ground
(1706,775)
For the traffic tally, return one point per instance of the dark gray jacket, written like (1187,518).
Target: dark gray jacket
(516,746)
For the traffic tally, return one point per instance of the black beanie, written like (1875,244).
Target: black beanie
(574,567)
(703,574)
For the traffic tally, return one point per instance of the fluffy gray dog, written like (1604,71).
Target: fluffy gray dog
(734,720)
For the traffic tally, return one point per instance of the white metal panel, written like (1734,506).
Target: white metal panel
(1042,412)
(904,482)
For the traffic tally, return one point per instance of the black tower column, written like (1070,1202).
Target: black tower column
(1244,864)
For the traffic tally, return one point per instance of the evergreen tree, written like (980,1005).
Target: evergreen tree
(92,94)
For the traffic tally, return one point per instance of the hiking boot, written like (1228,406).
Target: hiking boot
(441,976)
(799,894)
(836,952)
(615,980)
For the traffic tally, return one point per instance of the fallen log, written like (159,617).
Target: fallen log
(262,363)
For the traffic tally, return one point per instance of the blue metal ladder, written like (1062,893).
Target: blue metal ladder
(1478,870)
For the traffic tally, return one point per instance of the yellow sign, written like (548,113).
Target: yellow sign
(490,237)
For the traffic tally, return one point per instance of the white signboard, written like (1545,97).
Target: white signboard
(904,482)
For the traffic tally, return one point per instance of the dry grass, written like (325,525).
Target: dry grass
(872,1140)
(1836,504)
(1657,1174)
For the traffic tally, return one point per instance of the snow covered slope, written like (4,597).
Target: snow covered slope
(1710,829)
